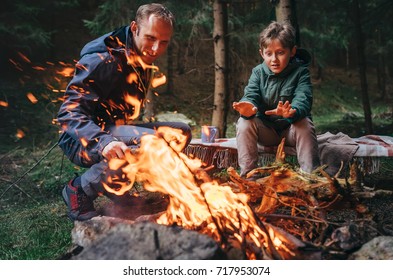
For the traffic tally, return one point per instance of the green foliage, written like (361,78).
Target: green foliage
(193,20)
(111,15)
(21,26)
(245,26)
(23,22)
(323,33)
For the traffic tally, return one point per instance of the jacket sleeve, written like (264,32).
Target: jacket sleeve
(93,79)
(302,98)
(252,92)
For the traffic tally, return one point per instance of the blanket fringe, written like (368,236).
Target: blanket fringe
(224,158)
(220,158)
(368,165)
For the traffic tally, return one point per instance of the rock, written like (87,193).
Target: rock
(145,241)
(379,248)
(351,116)
(85,233)
(346,237)
(174,117)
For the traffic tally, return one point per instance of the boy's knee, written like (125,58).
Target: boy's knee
(304,124)
(243,125)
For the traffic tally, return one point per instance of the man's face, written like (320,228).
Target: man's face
(151,37)
(276,56)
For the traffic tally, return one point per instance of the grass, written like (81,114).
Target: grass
(34,232)
(33,224)
(338,108)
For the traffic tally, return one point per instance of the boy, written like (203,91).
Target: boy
(277,102)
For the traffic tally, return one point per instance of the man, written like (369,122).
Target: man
(100,116)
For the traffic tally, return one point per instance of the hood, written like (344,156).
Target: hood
(114,40)
(302,57)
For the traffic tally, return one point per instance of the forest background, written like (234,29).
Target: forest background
(350,42)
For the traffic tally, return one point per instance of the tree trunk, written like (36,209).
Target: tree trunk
(220,107)
(362,67)
(286,12)
(148,114)
(181,57)
(381,66)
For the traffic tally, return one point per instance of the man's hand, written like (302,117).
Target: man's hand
(246,109)
(114,149)
(285,110)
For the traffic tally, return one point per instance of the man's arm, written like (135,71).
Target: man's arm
(81,100)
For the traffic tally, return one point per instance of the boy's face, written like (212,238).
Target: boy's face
(276,56)
(151,37)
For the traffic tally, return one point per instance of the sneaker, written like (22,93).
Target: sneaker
(80,206)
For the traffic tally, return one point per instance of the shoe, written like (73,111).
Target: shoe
(80,206)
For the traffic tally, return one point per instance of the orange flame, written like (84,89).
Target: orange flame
(158,81)
(39,68)
(66,72)
(3,103)
(134,102)
(84,142)
(20,134)
(24,57)
(32,98)
(162,167)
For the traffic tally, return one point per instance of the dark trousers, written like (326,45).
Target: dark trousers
(98,173)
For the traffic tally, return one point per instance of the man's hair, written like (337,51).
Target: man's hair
(156,9)
(284,32)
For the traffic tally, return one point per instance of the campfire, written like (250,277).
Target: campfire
(197,202)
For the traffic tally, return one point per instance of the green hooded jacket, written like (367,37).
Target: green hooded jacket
(265,89)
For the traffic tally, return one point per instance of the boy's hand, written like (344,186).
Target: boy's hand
(246,109)
(285,110)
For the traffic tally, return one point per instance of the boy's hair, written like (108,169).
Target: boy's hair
(156,9)
(284,32)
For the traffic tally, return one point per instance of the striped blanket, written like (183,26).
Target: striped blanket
(335,149)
